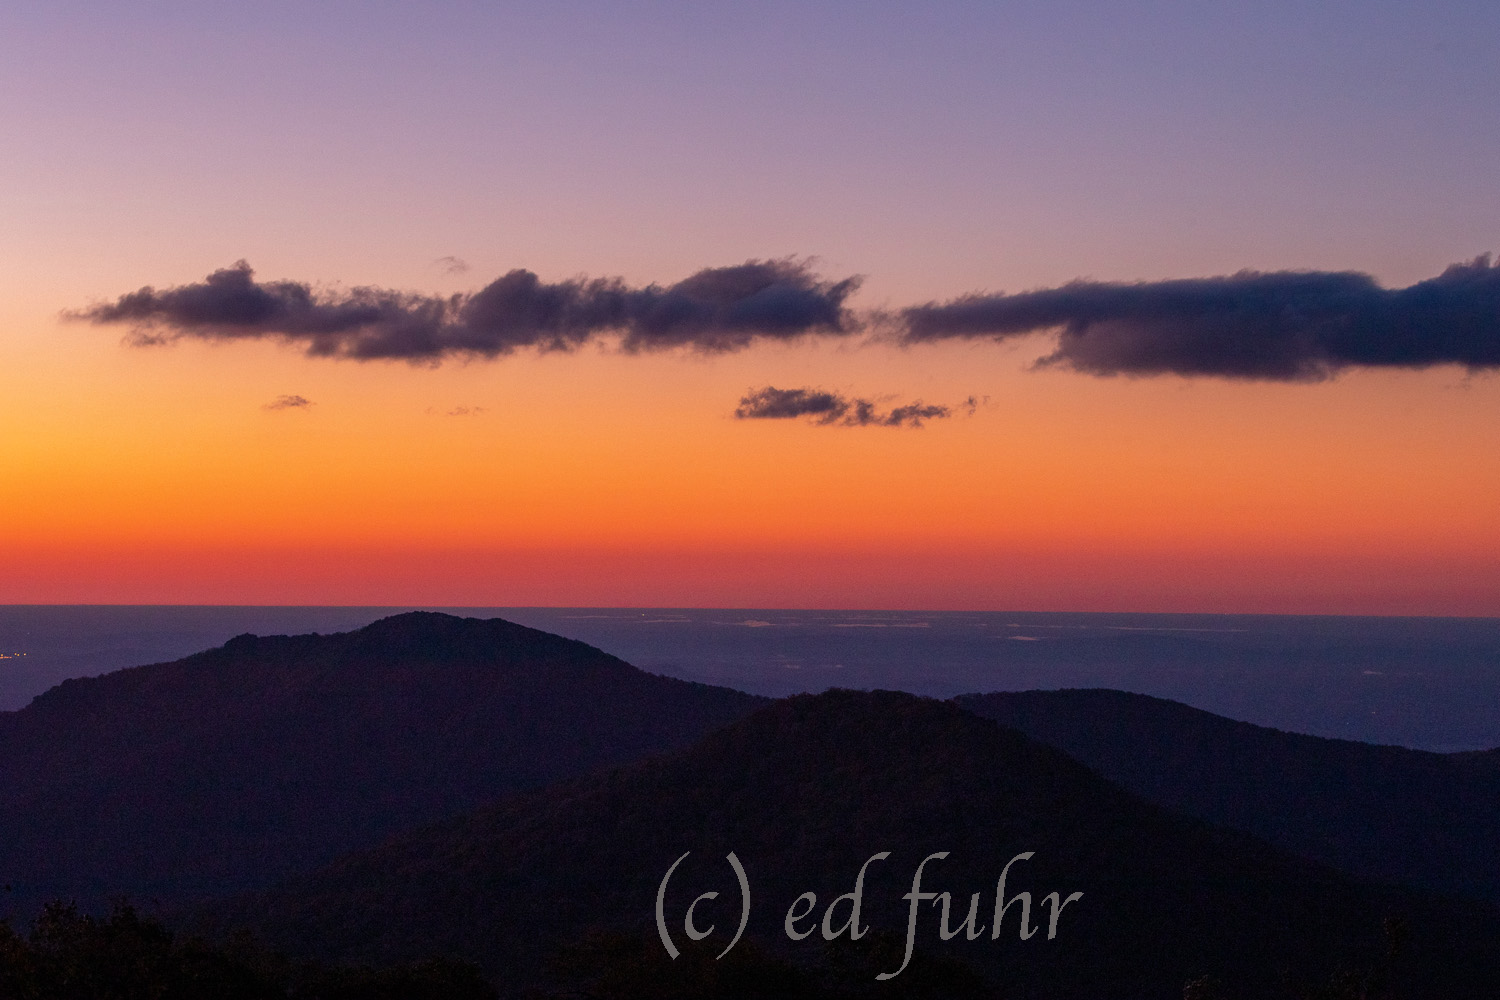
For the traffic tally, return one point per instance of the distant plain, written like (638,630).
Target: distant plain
(1425,683)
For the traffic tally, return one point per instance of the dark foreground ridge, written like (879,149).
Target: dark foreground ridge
(1410,817)
(237,766)
(804,792)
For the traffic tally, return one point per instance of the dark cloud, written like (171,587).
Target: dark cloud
(912,414)
(771,403)
(289,403)
(829,408)
(452,265)
(1286,325)
(716,309)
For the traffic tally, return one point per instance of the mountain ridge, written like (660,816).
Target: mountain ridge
(236,765)
(1392,814)
(805,791)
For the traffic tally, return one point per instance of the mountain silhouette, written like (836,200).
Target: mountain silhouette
(804,792)
(1412,817)
(236,766)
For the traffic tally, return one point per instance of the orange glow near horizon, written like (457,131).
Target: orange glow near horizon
(602,479)
(1249,583)
(420,154)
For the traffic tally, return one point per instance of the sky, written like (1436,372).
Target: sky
(1052,306)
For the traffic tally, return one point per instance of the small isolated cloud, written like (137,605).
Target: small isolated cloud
(912,415)
(717,309)
(452,265)
(834,409)
(466,411)
(289,403)
(771,403)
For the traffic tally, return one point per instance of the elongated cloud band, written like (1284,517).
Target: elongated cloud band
(1284,325)
(831,408)
(716,309)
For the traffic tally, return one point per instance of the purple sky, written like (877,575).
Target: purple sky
(939,148)
(397,158)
